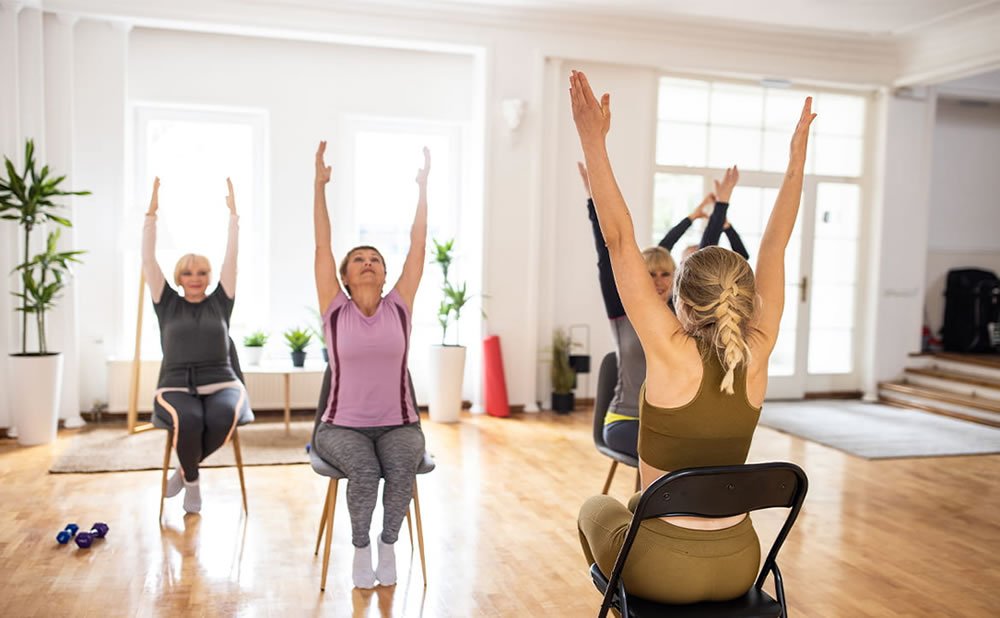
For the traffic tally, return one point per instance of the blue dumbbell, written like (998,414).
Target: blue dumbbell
(98,531)
(68,533)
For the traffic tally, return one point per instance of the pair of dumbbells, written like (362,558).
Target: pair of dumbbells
(83,539)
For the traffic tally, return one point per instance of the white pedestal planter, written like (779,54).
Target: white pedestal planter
(251,355)
(447,367)
(36,383)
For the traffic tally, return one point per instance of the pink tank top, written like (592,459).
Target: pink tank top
(369,386)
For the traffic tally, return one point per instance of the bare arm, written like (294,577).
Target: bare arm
(227,276)
(413,267)
(771,260)
(647,312)
(324,266)
(150,268)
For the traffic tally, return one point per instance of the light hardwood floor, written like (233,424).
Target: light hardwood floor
(917,537)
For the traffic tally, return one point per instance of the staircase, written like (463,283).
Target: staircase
(965,386)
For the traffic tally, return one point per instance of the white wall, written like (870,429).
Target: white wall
(965,197)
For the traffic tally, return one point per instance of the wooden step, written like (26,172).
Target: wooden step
(983,360)
(910,405)
(954,376)
(940,395)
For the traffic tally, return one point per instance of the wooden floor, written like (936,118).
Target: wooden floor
(918,537)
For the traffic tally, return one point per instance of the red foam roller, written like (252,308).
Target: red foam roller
(494,383)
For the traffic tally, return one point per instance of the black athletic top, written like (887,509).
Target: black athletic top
(195,339)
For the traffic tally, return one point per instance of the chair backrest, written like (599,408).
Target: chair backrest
(324,396)
(607,378)
(721,491)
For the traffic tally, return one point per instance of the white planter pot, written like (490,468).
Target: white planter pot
(447,367)
(36,382)
(251,355)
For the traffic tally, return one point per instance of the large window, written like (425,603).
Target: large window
(193,151)
(705,126)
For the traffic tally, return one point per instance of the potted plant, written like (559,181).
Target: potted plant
(298,340)
(562,373)
(27,197)
(447,361)
(317,331)
(253,346)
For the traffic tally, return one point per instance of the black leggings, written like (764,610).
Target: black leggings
(203,423)
(623,436)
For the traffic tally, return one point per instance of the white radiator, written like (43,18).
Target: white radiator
(266,391)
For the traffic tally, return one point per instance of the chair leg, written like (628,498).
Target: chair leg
(420,532)
(409,526)
(611,475)
(239,467)
(331,506)
(166,465)
(322,520)
(638,480)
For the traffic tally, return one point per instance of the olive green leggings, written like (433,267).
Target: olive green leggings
(667,563)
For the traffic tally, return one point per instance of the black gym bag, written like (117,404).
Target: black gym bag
(971,311)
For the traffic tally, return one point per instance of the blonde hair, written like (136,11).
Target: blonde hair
(188,261)
(343,264)
(659,259)
(718,292)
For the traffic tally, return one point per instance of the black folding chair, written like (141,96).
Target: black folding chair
(720,491)
(607,377)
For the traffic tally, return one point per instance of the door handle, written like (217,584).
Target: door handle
(803,288)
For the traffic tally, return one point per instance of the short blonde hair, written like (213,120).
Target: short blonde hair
(719,295)
(659,259)
(189,261)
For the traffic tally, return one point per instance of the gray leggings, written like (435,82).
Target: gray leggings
(203,423)
(365,454)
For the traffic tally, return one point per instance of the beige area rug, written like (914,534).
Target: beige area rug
(111,449)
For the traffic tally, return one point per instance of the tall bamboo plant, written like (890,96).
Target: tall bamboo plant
(455,296)
(28,197)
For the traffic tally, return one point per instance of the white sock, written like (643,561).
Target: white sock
(386,570)
(175,483)
(192,497)
(363,576)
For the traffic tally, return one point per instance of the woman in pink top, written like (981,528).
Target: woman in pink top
(370,428)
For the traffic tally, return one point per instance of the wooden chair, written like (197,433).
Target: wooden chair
(323,468)
(721,491)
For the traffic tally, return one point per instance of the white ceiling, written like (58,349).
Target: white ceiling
(866,17)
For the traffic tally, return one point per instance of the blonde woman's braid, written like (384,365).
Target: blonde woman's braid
(729,337)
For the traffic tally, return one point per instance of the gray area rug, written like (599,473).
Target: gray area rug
(875,431)
(113,450)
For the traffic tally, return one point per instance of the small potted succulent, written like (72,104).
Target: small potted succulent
(298,340)
(253,346)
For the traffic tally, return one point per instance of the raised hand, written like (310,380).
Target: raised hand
(231,198)
(592,117)
(701,212)
(724,189)
(423,172)
(323,171)
(154,202)
(800,139)
(582,167)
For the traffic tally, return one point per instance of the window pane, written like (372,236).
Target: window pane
(840,115)
(683,100)
(680,144)
(830,351)
(782,109)
(835,261)
(837,206)
(674,197)
(782,361)
(776,149)
(832,306)
(728,146)
(740,106)
(836,156)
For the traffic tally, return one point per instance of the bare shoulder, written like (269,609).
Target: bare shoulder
(673,380)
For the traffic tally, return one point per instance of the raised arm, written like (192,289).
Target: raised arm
(150,268)
(649,315)
(723,191)
(324,266)
(413,267)
(612,301)
(227,276)
(771,261)
(676,232)
(735,242)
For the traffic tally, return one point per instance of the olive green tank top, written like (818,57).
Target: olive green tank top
(714,429)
